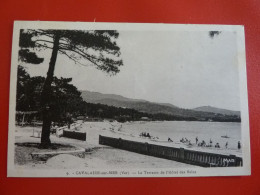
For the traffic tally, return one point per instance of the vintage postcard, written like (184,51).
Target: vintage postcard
(128,100)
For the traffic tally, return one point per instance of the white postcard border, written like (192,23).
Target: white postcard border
(194,172)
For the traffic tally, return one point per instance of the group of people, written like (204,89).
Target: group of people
(203,144)
(210,144)
(147,135)
(144,134)
(187,141)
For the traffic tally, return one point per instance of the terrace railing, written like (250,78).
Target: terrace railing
(203,159)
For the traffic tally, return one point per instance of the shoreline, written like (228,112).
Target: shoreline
(119,130)
(100,156)
(104,156)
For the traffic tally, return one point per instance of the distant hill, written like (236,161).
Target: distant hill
(201,113)
(217,110)
(95,97)
(120,101)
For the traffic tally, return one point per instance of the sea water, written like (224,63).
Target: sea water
(176,130)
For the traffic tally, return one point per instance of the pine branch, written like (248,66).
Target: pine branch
(38,44)
(73,59)
(84,55)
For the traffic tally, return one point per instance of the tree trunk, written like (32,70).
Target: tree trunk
(46,95)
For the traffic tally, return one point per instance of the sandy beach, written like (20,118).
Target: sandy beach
(105,156)
(98,156)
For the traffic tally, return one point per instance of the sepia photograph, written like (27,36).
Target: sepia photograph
(128,100)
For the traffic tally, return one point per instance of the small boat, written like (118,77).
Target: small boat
(225,136)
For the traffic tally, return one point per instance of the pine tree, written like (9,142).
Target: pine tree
(97,48)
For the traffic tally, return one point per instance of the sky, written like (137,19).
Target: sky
(184,68)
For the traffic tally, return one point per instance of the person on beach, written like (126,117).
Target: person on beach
(239,145)
(217,145)
(226,145)
(197,139)
(210,143)
(169,140)
(68,119)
